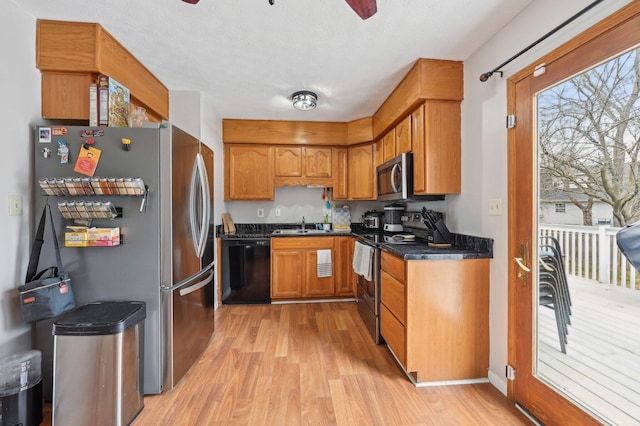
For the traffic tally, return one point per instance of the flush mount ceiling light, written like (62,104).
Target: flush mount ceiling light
(304,100)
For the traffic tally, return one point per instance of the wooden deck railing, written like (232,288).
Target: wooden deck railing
(591,252)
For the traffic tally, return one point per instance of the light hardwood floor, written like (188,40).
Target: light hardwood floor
(313,364)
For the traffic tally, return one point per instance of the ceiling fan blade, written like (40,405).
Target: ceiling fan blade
(364,8)
(191,1)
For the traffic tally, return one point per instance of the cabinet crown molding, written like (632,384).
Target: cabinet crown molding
(428,79)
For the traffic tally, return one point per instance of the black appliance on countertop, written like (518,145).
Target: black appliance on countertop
(246,270)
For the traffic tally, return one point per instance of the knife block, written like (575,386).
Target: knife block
(439,235)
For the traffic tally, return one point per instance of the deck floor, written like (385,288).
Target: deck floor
(601,368)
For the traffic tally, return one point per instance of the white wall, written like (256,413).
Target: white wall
(484,141)
(19,108)
(294,202)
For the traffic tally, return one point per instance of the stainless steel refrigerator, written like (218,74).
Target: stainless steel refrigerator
(165,257)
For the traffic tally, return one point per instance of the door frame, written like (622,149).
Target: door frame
(593,38)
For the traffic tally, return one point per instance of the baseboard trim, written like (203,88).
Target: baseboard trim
(437,383)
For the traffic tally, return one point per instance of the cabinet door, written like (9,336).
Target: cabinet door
(288,161)
(315,286)
(361,173)
(403,136)
(441,171)
(340,174)
(317,162)
(419,155)
(286,273)
(248,172)
(64,95)
(389,145)
(379,152)
(344,270)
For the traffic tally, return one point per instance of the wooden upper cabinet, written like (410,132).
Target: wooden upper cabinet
(361,173)
(303,166)
(248,172)
(396,141)
(428,79)
(378,152)
(403,136)
(437,148)
(288,161)
(389,145)
(419,155)
(71,55)
(340,173)
(317,162)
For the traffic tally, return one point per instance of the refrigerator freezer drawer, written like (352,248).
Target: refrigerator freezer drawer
(189,323)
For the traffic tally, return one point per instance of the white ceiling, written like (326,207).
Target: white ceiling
(248,57)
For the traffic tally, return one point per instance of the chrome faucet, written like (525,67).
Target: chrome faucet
(302,222)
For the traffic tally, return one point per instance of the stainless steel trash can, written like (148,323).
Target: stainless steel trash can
(98,364)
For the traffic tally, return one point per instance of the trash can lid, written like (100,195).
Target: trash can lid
(98,318)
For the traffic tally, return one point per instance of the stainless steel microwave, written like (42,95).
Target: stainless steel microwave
(395,178)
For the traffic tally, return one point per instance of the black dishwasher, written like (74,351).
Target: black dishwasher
(246,270)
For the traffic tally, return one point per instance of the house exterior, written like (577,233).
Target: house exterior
(557,208)
(484,152)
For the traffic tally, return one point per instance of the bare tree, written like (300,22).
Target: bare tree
(589,136)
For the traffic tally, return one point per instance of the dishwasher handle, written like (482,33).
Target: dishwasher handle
(247,242)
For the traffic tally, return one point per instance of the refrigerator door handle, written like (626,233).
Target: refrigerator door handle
(199,229)
(206,204)
(207,271)
(196,287)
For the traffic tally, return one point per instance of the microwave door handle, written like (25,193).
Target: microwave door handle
(395,171)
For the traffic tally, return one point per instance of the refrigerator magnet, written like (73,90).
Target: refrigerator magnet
(44,135)
(87,160)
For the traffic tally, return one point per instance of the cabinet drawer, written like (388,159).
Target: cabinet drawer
(393,333)
(303,243)
(392,295)
(392,265)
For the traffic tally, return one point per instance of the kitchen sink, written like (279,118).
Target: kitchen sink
(300,231)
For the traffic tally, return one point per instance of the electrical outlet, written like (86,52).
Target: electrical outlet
(260,212)
(15,205)
(495,207)
(277,212)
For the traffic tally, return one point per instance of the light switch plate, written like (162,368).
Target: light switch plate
(260,212)
(495,207)
(15,205)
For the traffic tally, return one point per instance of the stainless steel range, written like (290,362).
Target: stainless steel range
(414,231)
(369,293)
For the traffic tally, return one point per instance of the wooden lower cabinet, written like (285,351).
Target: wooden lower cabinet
(287,267)
(443,334)
(345,276)
(294,267)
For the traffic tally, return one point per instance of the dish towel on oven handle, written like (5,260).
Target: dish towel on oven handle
(324,263)
(363,260)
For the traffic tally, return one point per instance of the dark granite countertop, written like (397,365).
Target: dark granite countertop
(464,246)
